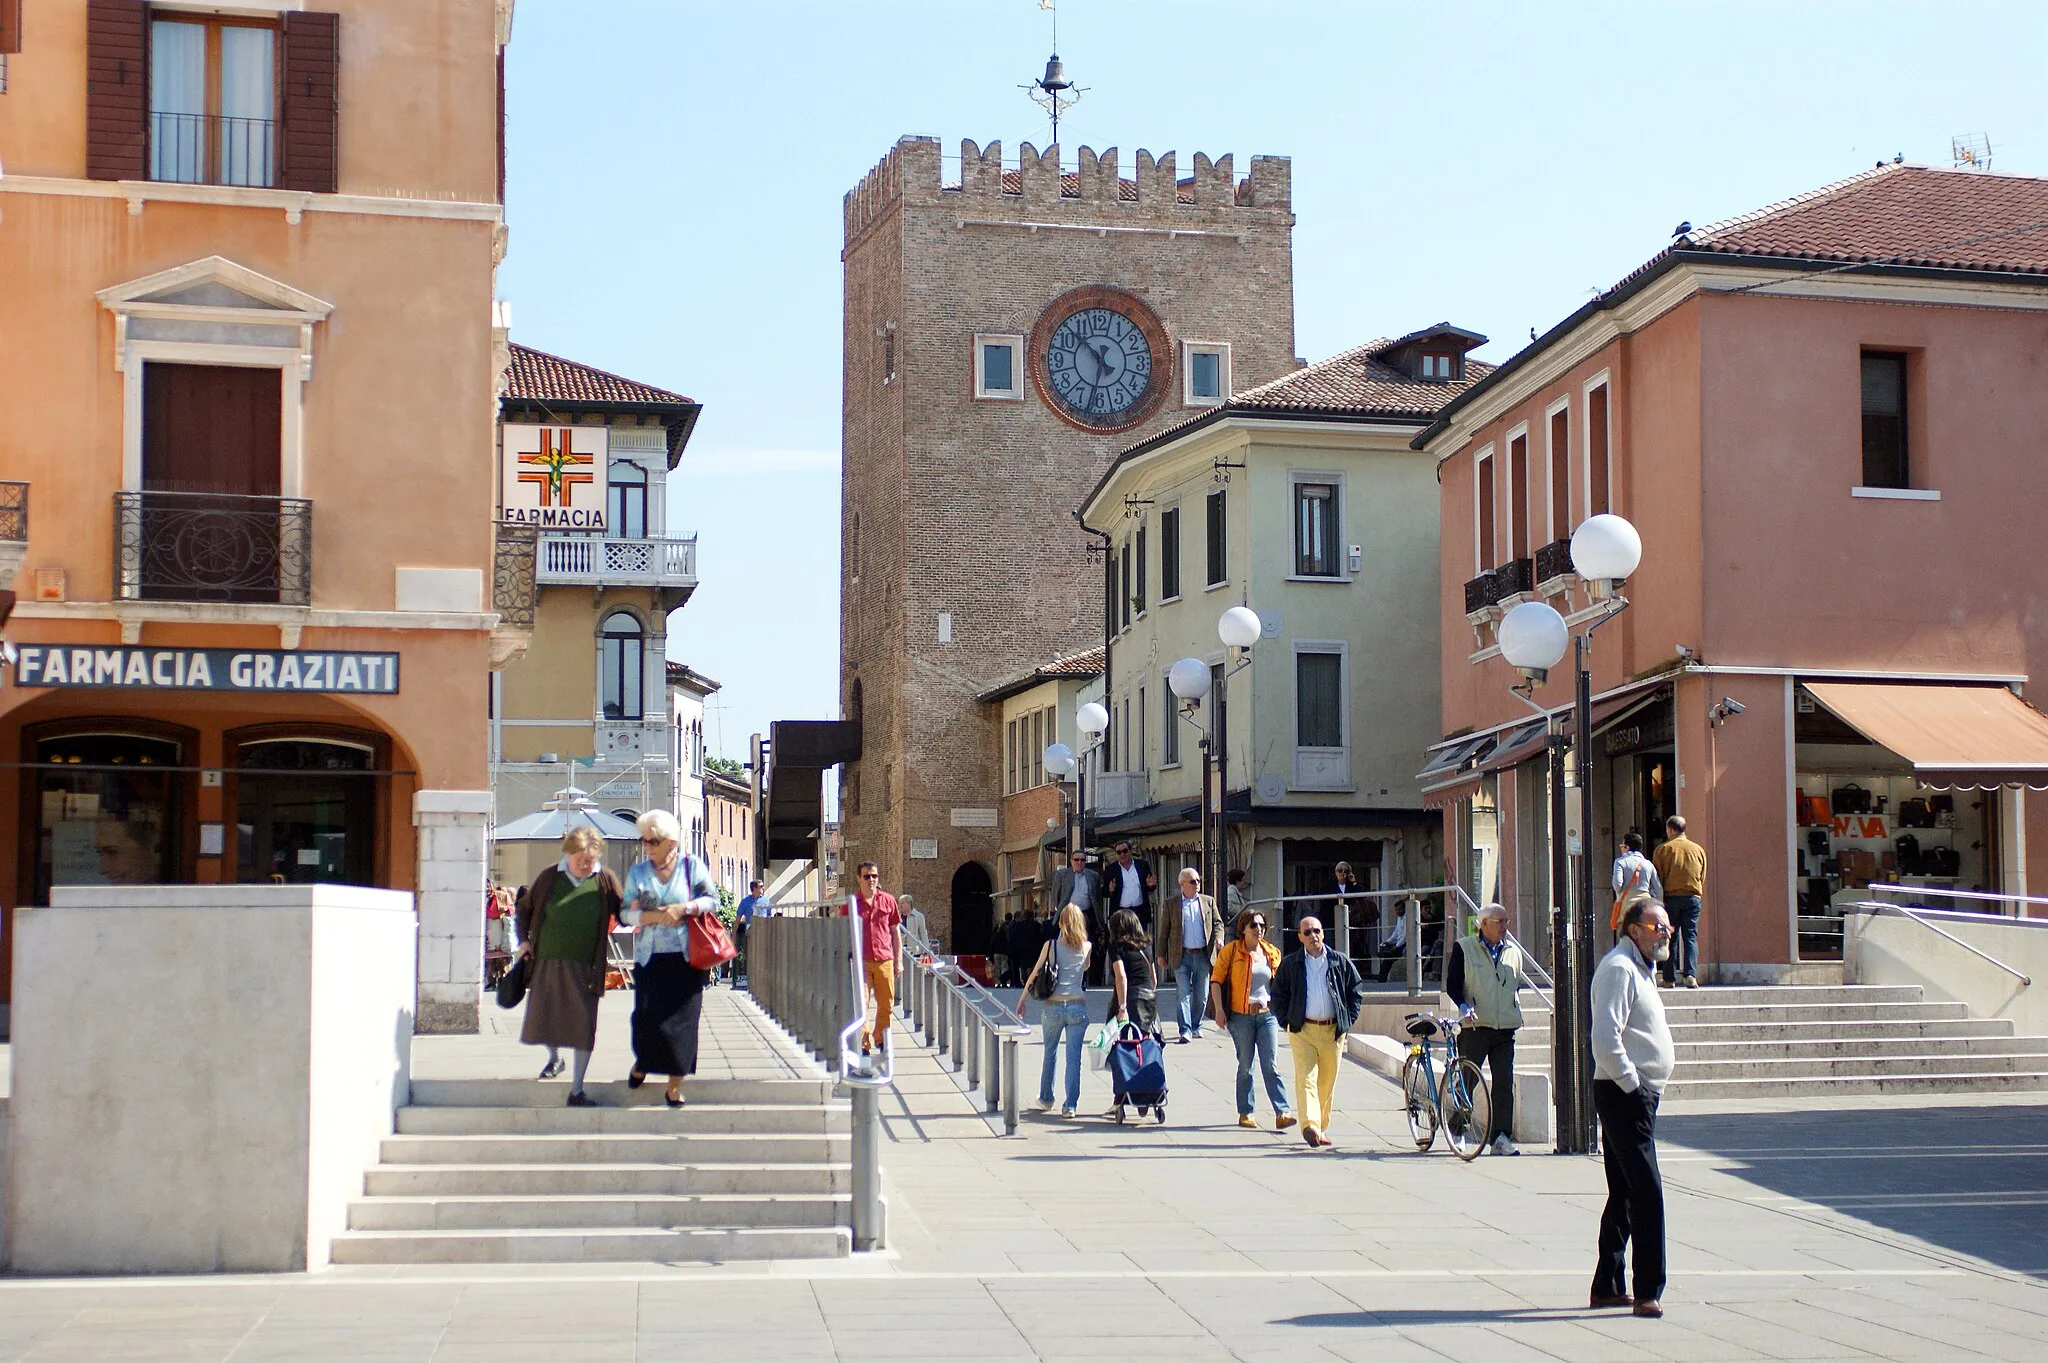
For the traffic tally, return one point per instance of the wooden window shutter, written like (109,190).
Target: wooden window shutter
(312,59)
(116,89)
(10,26)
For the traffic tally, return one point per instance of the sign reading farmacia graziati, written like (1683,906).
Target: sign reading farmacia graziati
(206,669)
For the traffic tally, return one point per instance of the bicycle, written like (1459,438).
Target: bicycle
(1462,1106)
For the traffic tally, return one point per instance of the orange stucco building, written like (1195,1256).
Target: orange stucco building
(248,363)
(1823,419)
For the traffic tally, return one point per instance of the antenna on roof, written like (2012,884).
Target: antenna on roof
(1053,92)
(1971,151)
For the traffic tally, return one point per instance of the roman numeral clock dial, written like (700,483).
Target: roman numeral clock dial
(1099,358)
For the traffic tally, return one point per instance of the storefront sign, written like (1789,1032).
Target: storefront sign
(555,476)
(207,669)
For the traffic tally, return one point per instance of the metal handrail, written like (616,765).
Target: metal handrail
(1961,894)
(947,1004)
(1906,911)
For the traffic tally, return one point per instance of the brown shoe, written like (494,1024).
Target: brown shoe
(1650,1310)
(1283,1121)
(1600,1303)
(1308,1133)
(1248,1122)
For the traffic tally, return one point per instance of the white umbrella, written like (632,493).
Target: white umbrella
(570,808)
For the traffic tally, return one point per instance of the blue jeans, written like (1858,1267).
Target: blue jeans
(1260,1032)
(1685,935)
(1193,974)
(1055,1020)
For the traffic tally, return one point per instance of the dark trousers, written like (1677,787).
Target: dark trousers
(1685,936)
(1635,1193)
(1494,1047)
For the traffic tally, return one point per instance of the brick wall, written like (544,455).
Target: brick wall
(966,508)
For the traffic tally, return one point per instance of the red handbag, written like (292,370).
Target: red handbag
(710,944)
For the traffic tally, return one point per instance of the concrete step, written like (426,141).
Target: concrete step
(1874,1029)
(1887,1065)
(1791,1089)
(1872,1049)
(566,1211)
(707,1244)
(810,1119)
(624,1148)
(1691,1014)
(608,1180)
(553,1093)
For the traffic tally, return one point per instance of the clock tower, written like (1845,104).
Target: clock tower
(1007,332)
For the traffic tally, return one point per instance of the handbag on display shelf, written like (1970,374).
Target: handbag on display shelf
(1944,862)
(1914,813)
(1943,803)
(1849,798)
(1817,809)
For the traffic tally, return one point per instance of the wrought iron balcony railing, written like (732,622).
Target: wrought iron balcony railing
(512,573)
(213,546)
(1516,575)
(13,511)
(1479,593)
(212,149)
(1554,560)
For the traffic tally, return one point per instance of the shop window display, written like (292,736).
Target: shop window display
(106,811)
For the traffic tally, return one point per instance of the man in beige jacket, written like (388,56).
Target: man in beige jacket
(1186,933)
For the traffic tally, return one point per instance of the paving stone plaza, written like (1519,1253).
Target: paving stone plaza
(1862,1228)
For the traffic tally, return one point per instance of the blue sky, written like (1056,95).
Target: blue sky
(676,170)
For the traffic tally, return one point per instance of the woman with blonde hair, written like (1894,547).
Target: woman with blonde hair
(564,923)
(1065,957)
(662,893)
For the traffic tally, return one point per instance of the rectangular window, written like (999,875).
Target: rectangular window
(1124,736)
(996,372)
(1141,728)
(1169,730)
(1518,497)
(1560,474)
(1315,530)
(212,101)
(1884,421)
(1205,373)
(1439,367)
(1038,747)
(1124,579)
(1218,562)
(1010,758)
(1319,700)
(1138,570)
(1169,554)
(1598,497)
(627,493)
(1482,500)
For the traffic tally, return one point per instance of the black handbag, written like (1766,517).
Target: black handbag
(1944,862)
(512,984)
(1849,798)
(1042,982)
(1914,813)
(1941,804)
(1908,849)
(1817,842)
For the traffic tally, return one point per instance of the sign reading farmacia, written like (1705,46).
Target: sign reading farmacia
(555,476)
(206,669)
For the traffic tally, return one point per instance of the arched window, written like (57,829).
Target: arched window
(628,501)
(623,671)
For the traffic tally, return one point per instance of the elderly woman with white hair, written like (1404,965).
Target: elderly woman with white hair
(1484,978)
(563,924)
(662,893)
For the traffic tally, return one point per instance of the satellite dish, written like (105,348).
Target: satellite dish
(1271,787)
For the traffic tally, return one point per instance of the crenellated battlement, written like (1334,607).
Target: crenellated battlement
(914,172)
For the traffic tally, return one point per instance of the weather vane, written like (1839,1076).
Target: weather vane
(1053,92)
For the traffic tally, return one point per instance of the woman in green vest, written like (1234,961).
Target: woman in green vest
(1484,977)
(564,926)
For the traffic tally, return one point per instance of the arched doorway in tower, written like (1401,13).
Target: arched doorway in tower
(974,910)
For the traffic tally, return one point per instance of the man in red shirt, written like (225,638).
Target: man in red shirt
(878,920)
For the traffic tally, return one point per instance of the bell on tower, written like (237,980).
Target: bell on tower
(1053,92)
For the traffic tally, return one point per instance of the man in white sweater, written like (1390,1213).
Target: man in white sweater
(1632,1059)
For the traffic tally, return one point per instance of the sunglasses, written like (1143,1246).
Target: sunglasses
(652,842)
(1311,932)
(870,875)
(1258,923)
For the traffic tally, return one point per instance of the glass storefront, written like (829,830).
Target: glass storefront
(305,812)
(108,811)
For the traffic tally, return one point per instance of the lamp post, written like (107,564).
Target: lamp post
(1061,763)
(1092,721)
(1239,628)
(1188,679)
(1605,552)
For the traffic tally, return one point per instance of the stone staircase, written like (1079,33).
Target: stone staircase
(1792,1042)
(498,1171)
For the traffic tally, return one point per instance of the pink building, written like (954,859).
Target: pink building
(1825,419)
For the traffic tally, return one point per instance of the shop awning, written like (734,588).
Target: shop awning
(1956,737)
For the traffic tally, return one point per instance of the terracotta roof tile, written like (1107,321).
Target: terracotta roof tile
(1900,214)
(1086,663)
(1360,381)
(536,376)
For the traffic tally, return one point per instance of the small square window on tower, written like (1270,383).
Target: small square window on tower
(1205,373)
(999,368)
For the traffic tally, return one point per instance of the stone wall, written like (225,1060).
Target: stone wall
(454,867)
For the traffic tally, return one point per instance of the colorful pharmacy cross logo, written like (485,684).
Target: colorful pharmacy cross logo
(555,468)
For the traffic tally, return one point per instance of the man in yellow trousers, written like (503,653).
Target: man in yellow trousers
(1316,996)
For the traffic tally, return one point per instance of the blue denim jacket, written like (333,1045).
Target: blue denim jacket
(690,885)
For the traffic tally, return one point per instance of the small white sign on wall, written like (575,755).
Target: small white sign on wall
(976,818)
(924,849)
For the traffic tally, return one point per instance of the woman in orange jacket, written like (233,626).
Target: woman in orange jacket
(1240,998)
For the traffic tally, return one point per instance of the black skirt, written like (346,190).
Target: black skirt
(668,1000)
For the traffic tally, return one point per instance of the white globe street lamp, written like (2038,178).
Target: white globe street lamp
(1188,679)
(1059,759)
(1091,719)
(1240,627)
(1533,638)
(1605,550)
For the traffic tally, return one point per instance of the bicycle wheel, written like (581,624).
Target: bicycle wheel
(1467,1110)
(1416,1083)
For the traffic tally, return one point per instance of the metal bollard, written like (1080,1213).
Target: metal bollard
(1412,949)
(866,1206)
(992,1067)
(975,1023)
(1010,1108)
(945,1017)
(962,1041)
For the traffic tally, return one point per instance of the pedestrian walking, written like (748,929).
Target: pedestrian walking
(1065,1013)
(1635,877)
(1075,884)
(1241,998)
(1484,978)
(1682,865)
(1185,943)
(1130,970)
(1343,902)
(662,892)
(564,922)
(1393,948)
(879,919)
(1317,993)
(1632,1059)
(1128,883)
(1234,901)
(743,919)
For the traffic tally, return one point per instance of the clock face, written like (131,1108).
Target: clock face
(1098,365)
(1100,359)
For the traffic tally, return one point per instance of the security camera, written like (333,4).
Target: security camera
(1733,707)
